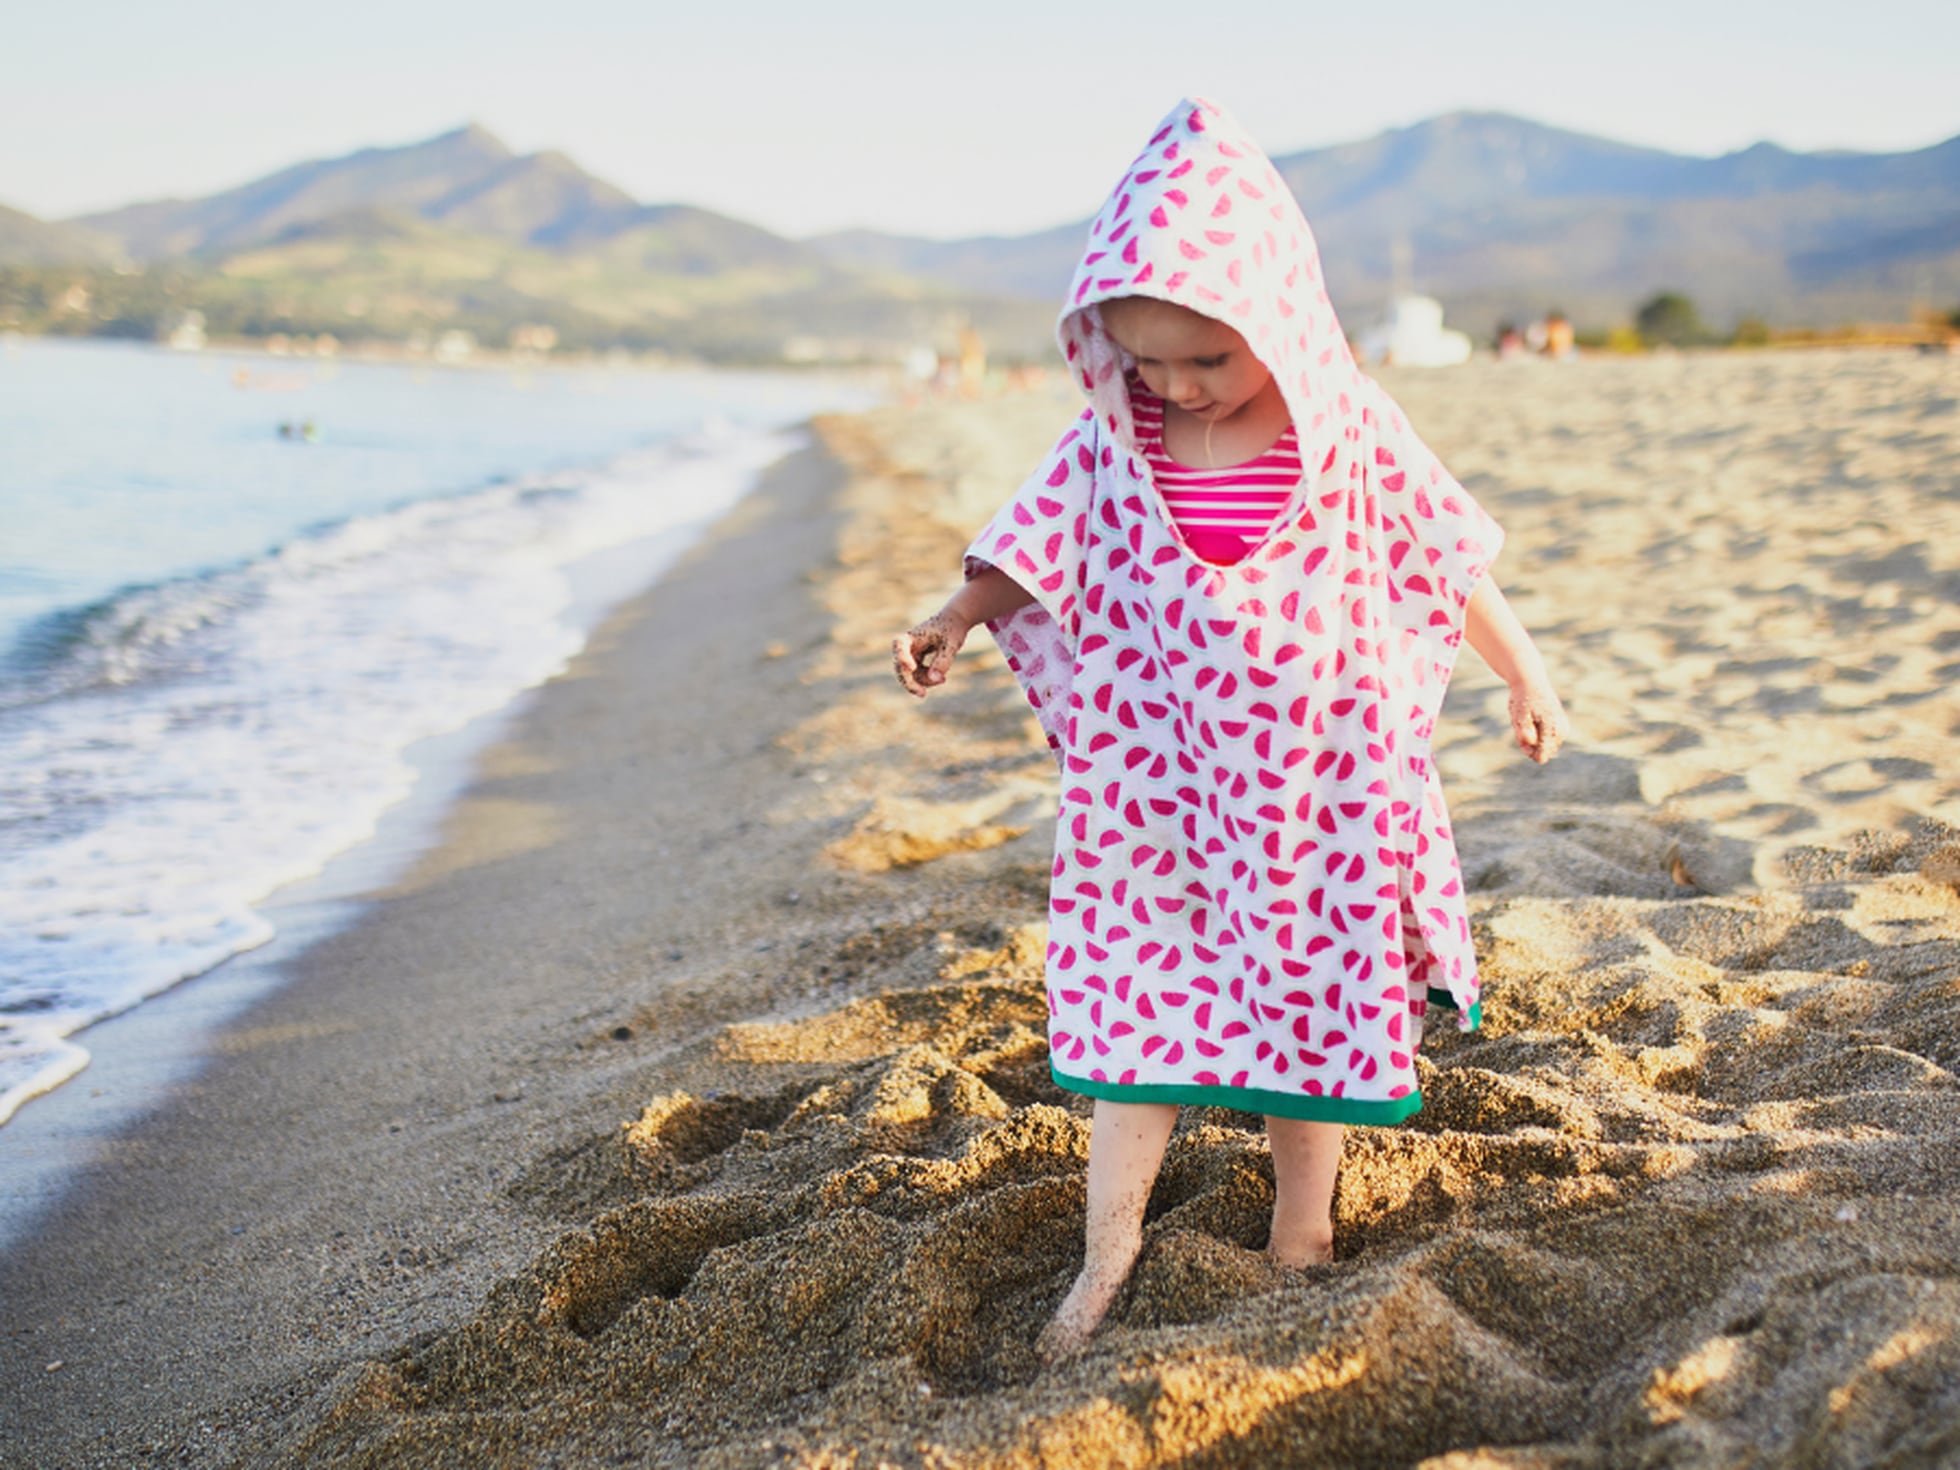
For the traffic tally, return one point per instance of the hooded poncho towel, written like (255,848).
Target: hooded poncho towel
(1255,894)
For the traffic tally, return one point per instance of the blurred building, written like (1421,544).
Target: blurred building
(455,345)
(187,334)
(1412,334)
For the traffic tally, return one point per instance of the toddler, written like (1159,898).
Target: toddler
(1234,593)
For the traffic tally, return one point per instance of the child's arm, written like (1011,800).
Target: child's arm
(922,655)
(1537,717)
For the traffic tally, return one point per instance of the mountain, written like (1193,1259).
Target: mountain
(1014,265)
(467,182)
(1500,215)
(447,171)
(26,240)
(689,241)
(460,232)
(540,198)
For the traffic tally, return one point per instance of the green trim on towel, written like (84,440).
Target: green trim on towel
(1374,1112)
(1448,1002)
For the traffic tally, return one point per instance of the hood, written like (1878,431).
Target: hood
(1202,219)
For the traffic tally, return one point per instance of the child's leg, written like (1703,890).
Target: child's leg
(1306,1156)
(1126,1146)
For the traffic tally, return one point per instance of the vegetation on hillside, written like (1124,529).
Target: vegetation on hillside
(459,239)
(403,286)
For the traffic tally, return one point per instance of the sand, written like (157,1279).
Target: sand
(689,1106)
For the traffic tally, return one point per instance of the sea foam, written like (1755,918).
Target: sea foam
(173,754)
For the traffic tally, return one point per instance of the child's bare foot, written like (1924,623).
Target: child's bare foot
(1295,1246)
(1077,1318)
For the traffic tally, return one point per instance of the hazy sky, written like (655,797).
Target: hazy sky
(912,116)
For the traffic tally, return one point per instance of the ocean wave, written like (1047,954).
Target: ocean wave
(118,639)
(175,752)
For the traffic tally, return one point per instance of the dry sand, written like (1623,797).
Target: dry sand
(758,942)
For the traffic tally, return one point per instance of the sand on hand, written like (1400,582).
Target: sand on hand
(1691,1196)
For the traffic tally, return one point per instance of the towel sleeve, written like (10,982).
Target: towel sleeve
(1040,538)
(1439,543)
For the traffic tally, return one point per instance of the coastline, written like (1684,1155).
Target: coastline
(417,573)
(702,1117)
(334,1057)
(136,1058)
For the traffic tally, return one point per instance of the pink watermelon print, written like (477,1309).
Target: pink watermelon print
(1255,894)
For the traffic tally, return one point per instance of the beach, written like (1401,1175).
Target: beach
(686,1103)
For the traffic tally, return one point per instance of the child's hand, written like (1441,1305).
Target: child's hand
(922,657)
(1537,719)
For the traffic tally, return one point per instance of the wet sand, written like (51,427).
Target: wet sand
(698,1114)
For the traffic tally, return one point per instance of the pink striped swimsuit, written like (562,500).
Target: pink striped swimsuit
(1221,513)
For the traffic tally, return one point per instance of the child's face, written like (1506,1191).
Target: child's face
(1186,358)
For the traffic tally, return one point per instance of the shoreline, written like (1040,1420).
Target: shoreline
(439,766)
(139,1055)
(124,954)
(304,1037)
(871,374)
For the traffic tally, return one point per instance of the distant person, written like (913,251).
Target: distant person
(973,362)
(1234,593)
(1510,341)
(1558,335)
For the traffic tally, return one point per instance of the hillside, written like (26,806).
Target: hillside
(1497,215)
(26,240)
(675,280)
(461,233)
(427,178)
(1501,215)
(466,182)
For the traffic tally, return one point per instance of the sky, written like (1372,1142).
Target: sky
(914,117)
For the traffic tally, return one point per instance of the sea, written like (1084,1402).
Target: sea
(235,590)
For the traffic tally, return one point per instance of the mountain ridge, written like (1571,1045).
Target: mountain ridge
(1496,214)
(29,240)
(1503,214)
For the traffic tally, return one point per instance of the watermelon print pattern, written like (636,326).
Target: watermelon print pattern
(1255,895)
